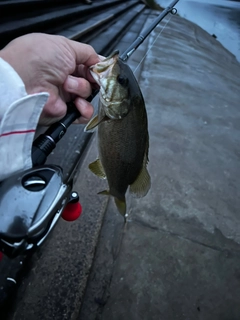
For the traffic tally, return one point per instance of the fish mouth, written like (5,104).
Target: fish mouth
(104,68)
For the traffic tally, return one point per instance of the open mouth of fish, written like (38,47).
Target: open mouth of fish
(113,93)
(103,68)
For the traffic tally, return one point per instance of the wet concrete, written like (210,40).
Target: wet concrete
(178,256)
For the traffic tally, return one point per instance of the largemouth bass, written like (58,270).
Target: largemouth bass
(123,140)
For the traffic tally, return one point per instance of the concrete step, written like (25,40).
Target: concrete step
(52,19)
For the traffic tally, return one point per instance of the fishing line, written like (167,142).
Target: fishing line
(170,17)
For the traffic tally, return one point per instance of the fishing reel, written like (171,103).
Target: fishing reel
(30,207)
(32,202)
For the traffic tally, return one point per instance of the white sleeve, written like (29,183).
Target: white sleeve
(19,115)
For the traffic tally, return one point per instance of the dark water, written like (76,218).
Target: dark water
(219,17)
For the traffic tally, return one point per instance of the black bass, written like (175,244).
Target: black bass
(123,140)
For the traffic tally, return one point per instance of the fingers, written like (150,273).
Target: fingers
(85,108)
(83,72)
(78,86)
(84,53)
(54,110)
(83,89)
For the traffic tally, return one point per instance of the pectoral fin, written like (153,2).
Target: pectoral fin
(94,122)
(97,168)
(142,184)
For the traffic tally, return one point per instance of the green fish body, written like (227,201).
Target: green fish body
(123,140)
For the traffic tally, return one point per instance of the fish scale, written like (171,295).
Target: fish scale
(123,140)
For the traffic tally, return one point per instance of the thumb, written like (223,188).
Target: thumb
(84,53)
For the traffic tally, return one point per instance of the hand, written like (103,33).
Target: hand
(57,65)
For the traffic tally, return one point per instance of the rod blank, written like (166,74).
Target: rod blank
(145,33)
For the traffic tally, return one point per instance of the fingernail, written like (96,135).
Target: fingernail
(72,84)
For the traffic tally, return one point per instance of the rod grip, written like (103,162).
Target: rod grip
(46,142)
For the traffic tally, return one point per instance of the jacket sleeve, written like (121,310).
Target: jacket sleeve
(19,115)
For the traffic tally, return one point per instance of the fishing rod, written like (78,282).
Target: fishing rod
(33,201)
(45,143)
(170,9)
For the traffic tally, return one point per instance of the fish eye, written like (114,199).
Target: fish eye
(123,81)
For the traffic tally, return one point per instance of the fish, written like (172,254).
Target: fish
(123,139)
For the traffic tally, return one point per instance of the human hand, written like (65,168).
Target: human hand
(54,64)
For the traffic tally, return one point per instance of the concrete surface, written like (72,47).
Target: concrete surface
(178,255)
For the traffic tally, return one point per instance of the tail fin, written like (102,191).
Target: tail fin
(121,205)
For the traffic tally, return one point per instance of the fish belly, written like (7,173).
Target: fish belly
(122,147)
